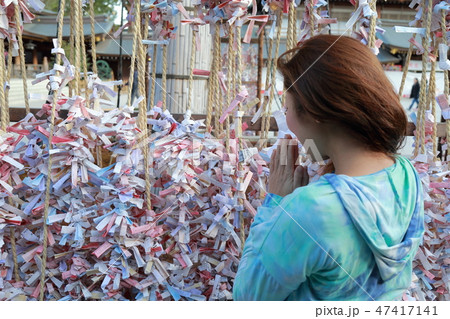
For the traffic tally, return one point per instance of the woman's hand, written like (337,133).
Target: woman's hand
(285,174)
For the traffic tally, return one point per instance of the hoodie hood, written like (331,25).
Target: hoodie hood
(392,228)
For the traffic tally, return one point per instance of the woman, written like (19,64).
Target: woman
(352,234)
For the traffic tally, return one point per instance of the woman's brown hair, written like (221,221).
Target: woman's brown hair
(340,81)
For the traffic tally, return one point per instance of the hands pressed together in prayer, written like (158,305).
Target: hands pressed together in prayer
(286,174)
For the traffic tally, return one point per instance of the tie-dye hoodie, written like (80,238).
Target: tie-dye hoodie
(339,238)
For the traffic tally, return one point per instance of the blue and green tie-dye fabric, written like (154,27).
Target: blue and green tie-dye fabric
(339,238)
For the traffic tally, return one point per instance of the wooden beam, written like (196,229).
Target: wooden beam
(16,114)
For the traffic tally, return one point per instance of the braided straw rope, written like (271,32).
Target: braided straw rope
(12,234)
(22,57)
(266,102)
(153,84)
(431,98)
(291,34)
(93,45)
(294,23)
(211,88)
(422,96)
(4,124)
(8,76)
(142,119)
(406,68)
(312,20)
(373,24)
(289,39)
(144,36)
(446,89)
(273,88)
(238,128)
(77,28)
(144,32)
(230,76)
(135,31)
(83,51)
(218,127)
(164,78)
(3,104)
(354,10)
(94,67)
(72,43)
(50,158)
(191,72)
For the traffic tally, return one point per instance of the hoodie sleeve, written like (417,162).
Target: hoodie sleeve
(279,254)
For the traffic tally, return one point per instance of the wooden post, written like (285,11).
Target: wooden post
(35,59)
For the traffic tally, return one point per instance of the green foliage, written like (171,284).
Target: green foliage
(100,7)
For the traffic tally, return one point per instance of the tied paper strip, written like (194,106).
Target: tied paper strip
(443,104)
(364,10)
(283,130)
(238,99)
(400,29)
(443,5)
(158,42)
(201,72)
(444,63)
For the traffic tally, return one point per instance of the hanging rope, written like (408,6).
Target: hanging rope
(420,140)
(312,20)
(354,10)
(431,98)
(77,36)
(266,90)
(144,36)
(83,51)
(93,45)
(238,130)
(8,77)
(94,67)
(289,39)
(3,104)
(273,88)
(153,84)
(211,89)
(443,23)
(230,76)
(294,25)
(50,158)
(142,118)
(373,24)
(217,92)
(72,43)
(406,68)
(21,56)
(191,72)
(4,124)
(164,78)
(135,31)
(292,35)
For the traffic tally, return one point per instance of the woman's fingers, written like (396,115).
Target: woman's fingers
(283,150)
(305,180)
(301,177)
(292,153)
(273,159)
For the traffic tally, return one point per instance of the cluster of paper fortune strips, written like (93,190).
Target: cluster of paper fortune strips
(165,216)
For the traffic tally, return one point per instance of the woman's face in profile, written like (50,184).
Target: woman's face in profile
(305,127)
(300,127)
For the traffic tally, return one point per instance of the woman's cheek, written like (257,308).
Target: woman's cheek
(292,123)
